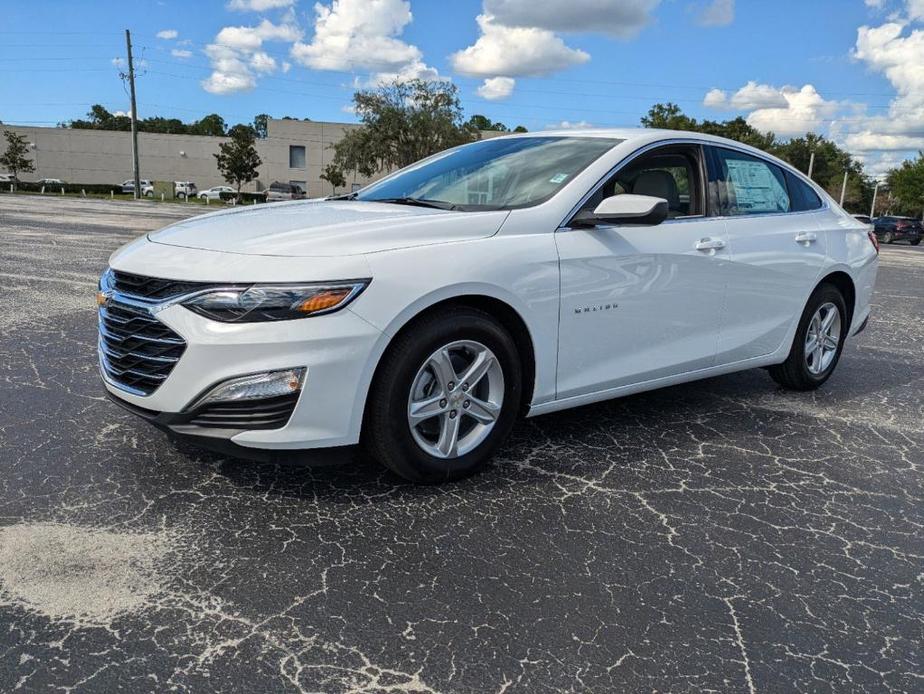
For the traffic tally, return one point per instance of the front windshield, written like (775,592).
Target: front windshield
(498,174)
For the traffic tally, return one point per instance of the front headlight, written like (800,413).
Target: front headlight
(263,302)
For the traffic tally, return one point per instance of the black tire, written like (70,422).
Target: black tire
(887,237)
(916,242)
(387,434)
(794,373)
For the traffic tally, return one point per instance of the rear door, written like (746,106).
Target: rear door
(776,250)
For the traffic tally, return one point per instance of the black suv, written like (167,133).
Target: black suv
(891,229)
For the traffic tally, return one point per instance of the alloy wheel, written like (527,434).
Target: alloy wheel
(822,338)
(455,399)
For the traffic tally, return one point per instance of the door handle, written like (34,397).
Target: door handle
(709,244)
(806,237)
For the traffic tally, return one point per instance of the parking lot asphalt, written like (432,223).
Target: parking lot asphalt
(722,535)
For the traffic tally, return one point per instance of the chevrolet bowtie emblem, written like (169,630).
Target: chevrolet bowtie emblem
(102,298)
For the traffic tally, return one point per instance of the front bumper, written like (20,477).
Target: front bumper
(338,351)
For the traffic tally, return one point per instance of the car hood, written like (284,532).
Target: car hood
(326,228)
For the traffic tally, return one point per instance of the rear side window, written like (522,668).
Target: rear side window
(749,185)
(802,196)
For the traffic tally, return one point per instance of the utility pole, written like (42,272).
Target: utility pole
(872,210)
(811,163)
(131,84)
(844,189)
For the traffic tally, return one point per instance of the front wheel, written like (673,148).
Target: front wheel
(445,397)
(817,346)
(915,242)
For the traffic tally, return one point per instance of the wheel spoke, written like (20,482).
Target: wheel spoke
(441,364)
(482,410)
(828,320)
(423,410)
(811,344)
(816,357)
(477,369)
(449,436)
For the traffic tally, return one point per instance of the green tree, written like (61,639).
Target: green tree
(261,125)
(334,176)
(212,124)
(238,159)
(520,129)
(479,122)
(15,159)
(906,184)
(402,123)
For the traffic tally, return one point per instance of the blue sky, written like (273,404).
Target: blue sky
(848,68)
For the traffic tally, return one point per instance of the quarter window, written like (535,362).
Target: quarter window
(802,196)
(750,185)
(296,156)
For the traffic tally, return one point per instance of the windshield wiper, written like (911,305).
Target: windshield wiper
(344,196)
(419,202)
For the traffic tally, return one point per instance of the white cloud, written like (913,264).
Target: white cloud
(786,111)
(718,13)
(622,18)
(805,111)
(252,38)
(119,63)
(515,52)
(236,55)
(570,125)
(258,5)
(896,50)
(363,35)
(262,62)
(495,88)
(181,53)
(750,97)
(167,34)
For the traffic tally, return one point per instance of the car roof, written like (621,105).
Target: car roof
(644,136)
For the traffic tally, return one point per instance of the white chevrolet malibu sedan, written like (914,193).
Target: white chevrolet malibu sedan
(526,274)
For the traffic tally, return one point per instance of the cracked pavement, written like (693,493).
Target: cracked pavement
(722,535)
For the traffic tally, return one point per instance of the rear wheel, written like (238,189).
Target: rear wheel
(916,242)
(887,237)
(445,397)
(817,346)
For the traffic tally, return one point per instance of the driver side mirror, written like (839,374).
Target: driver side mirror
(626,209)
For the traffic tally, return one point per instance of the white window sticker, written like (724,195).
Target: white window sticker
(756,188)
(558,178)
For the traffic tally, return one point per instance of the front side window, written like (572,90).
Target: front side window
(750,185)
(672,173)
(494,174)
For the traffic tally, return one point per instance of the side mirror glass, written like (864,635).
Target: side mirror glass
(626,209)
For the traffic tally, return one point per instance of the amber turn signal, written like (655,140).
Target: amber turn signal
(323,300)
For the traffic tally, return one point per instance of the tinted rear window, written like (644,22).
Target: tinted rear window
(802,196)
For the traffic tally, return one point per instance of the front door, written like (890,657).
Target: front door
(642,302)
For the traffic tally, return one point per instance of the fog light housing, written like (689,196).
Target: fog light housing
(258,386)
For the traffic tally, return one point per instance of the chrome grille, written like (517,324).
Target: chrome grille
(151,288)
(136,351)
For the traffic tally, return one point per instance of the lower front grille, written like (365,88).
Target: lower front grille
(137,352)
(269,413)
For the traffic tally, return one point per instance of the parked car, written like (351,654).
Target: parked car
(182,189)
(284,191)
(522,274)
(129,186)
(214,193)
(7,178)
(51,182)
(891,229)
